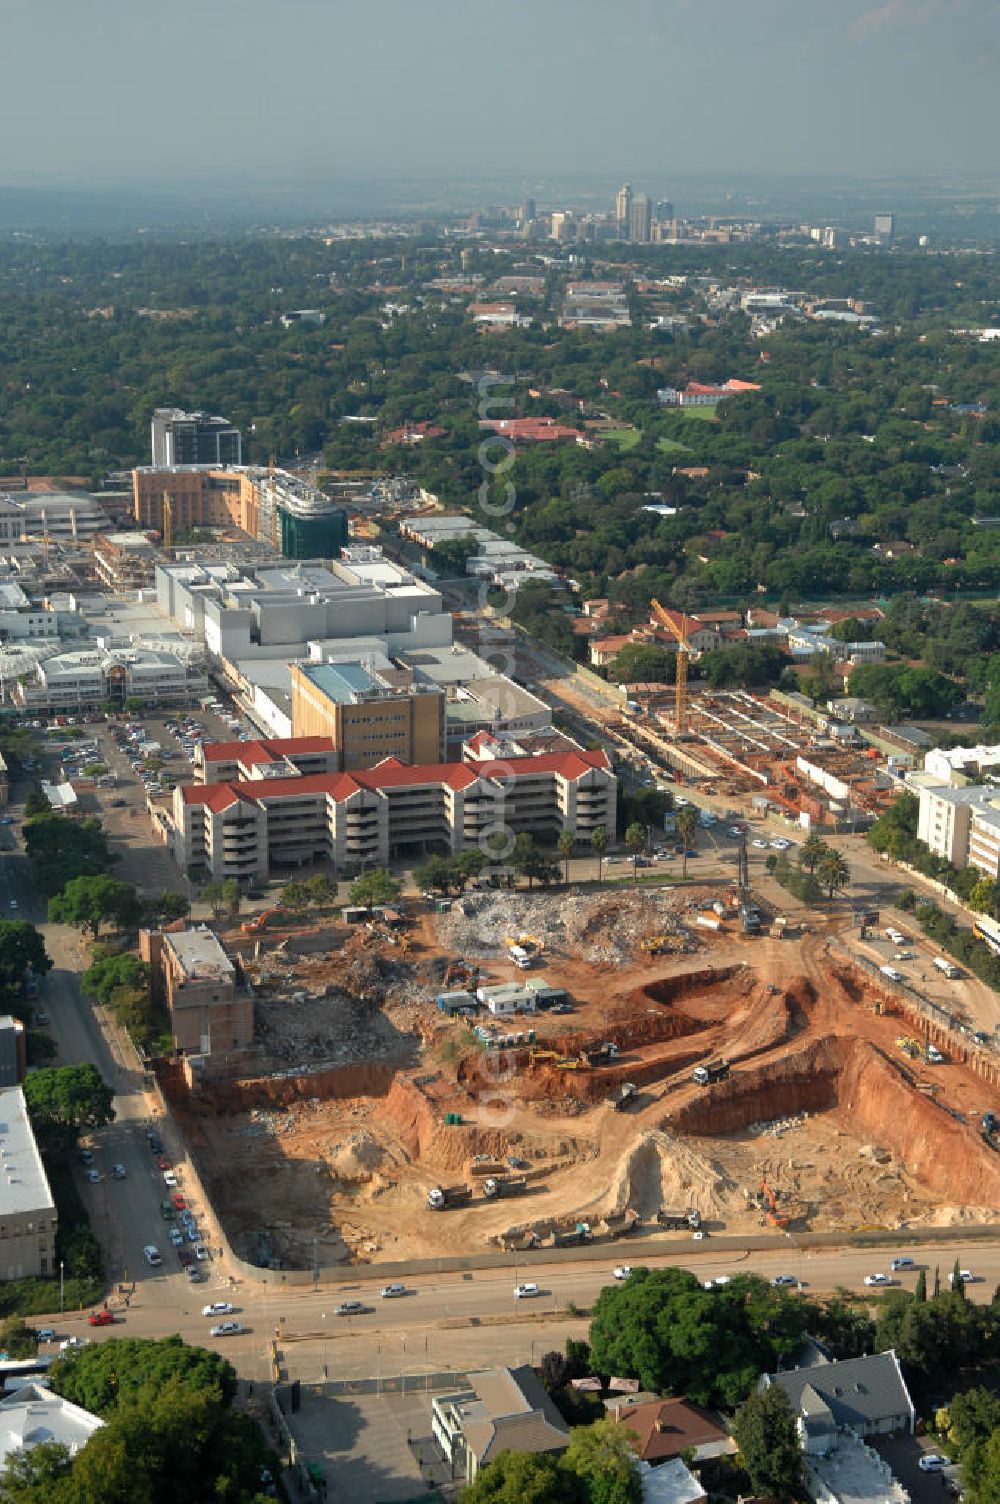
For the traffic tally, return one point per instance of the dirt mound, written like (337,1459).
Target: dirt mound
(359,1158)
(660,1171)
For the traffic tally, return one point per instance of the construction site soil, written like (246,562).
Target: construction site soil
(368,1095)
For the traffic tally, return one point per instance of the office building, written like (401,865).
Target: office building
(210,1007)
(885,226)
(664,210)
(502,1409)
(85,678)
(526,212)
(264,757)
(623,208)
(287,514)
(13,1056)
(27,1211)
(368,714)
(243,828)
(180,438)
(639,218)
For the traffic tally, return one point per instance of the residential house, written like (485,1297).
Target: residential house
(866,1396)
(33,1414)
(666,1428)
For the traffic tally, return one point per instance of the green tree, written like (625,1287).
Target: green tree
(64,1101)
(833,871)
(376,888)
(600,1457)
(21,948)
(104,1375)
(213,895)
(232,895)
(523,1478)
(165,908)
(687,824)
(599,841)
(812,851)
(111,972)
(62,849)
(89,902)
(566,843)
(322,890)
(17,1339)
(920,1290)
(295,897)
(765,1432)
(635,840)
(439,874)
(36,1475)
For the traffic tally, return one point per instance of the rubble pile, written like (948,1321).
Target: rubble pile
(599,927)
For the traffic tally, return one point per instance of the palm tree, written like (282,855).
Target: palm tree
(599,841)
(812,852)
(832,871)
(687,824)
(635,840)
(567,845)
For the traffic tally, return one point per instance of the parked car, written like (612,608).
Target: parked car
(933,1462)
(621,1271)
(101,1318)
(118,1172)
(784,1279)
(46,1334)
(152,1255)
(177,1237)
(226,1329)
(69,1343)
(170,1180)
(218,1308)
(94,1177)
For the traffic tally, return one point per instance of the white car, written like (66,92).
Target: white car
(69,1343)
(933,1462)
(761,845)
(118,1172)
(389,1292)
(965,1277)
(877,1279)
(201,1253)
(226,1329)
(784,1279)
(152,1255)
(622,1271)
(218,1308)
(525,1292)
(734,830)
(94,1177)
(170,1180)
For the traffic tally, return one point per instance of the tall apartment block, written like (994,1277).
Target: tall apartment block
(181,438)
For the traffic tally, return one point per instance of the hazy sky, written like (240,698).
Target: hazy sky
(108,91)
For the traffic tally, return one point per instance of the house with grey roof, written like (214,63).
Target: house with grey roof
(866,1396)
(503,1409)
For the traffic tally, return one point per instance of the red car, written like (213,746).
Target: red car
(101,1318)
(179,1202)
(163,1162)
(185,1256)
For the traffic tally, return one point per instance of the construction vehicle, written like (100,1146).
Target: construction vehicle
(990,1130)
(524,950)
(623,1095)
(750,918)
(679,632)
(909,1047)
(679,1220)
(712,1070)
(771,1209)
(657,945)
(441,1197)
(506,1185)
(599,1054)
(619,1224)
(544,1057)
(251,926)
(581,1233)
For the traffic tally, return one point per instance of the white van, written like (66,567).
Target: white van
(152,1255)
(891,973)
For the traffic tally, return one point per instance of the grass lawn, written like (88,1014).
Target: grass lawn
(625,438)
(671,446)
(699,414)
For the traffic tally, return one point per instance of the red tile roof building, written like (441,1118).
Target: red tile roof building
(243,826)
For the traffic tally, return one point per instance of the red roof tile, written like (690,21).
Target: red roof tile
(265,748)
(216,796)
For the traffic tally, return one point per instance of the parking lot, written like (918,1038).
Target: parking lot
(371,1447)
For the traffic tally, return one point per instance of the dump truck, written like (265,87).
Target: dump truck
(712,1070)
(581,1233)
(990,1130)
(750,919)
(520,957)
(679,1219)
(505,1185)
(623,1095)
(440,1197)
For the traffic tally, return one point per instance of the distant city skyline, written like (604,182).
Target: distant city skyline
(115,93)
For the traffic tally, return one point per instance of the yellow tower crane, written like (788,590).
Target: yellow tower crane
(683,651)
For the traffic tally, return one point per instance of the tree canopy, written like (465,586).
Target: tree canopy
(66,1100)
(89,902)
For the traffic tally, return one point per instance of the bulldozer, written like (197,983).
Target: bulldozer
(658,945)
(771,1211)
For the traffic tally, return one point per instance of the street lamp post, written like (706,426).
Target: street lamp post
(62,1287)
